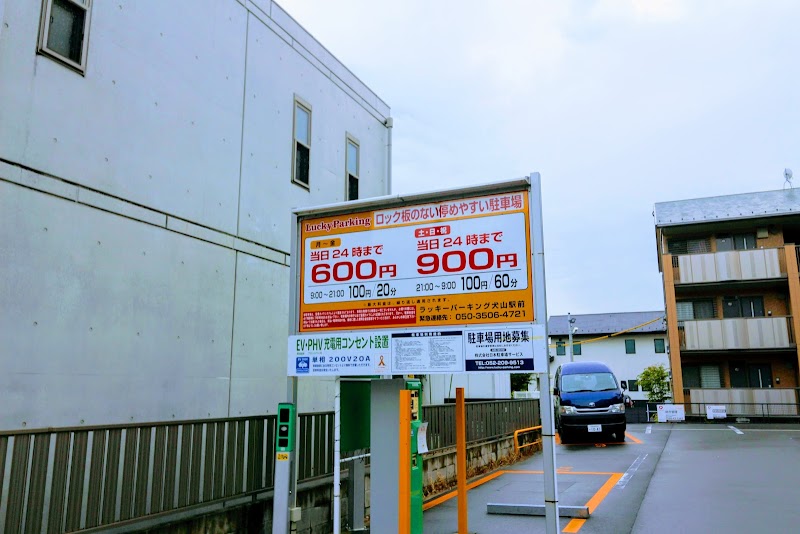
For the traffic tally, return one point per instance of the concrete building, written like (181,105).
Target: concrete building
(628,353)
(732,291)
(150,153)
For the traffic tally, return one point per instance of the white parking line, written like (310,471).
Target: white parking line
(773,429)
(649,429)
(735,429)
(631,470)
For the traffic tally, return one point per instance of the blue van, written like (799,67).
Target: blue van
(589,400)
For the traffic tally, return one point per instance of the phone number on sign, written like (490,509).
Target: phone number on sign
(468,316)
(497,363)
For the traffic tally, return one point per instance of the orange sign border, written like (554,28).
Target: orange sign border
(482,308)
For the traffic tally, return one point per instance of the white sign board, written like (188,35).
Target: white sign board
(668,413)
(418,351)
(427,352)
(716,412)
(422,438)
(499,349)
(340,354)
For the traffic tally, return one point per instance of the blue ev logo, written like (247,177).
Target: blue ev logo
(302,365)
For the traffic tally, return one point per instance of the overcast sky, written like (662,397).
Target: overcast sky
(618,104)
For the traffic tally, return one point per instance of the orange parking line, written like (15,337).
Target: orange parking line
(634,439)
(448,496)
(603,492)
(570,472)
(574,525)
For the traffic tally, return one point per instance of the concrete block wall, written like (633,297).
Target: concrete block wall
(440,466)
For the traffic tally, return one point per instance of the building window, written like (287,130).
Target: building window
(736,242)
(742,307)
(689,246)
(560,348)
(689,310)
(576,349)
(630,346)
(64,31)
(702,376)
(352,167)
(302,143)
(659,343)
(633,385)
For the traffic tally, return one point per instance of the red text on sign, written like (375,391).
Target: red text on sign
(431,231)
(344,271)
(455,261)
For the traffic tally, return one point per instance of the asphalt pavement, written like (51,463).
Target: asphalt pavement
(664,478)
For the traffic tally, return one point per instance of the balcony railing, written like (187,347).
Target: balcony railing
(760,402)
(733,265)
(738,333)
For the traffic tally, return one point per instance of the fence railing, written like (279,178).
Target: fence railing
(730,265)
(764,410)
(72,479)
(485,420)
(736,333)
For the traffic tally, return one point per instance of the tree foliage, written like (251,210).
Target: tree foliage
(655,381)
(520,381)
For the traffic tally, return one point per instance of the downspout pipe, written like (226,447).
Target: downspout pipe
(389,123)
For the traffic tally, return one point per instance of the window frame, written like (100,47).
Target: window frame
(744,306)
(44,34)
(697,305)
(576,349)
(351,140)
(656,345)
(561,348)
(299,102)
(633,382)
(691,245)
(632,348)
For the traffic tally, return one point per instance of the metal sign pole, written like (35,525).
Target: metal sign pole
(545,398)
(337,466)
(284,502)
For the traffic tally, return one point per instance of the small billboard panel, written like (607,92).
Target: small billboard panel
(422,284)
(417,351)
(463,261)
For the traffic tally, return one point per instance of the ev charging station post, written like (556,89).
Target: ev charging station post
(440,282)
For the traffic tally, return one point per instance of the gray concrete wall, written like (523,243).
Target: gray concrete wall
(145,208)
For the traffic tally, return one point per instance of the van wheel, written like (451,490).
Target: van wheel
(565,438)
(619,436)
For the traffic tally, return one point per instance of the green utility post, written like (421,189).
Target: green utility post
(416,458)
(282,515)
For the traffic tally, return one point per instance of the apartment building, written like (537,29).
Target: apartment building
(150,155)
(627,342)
(732,293)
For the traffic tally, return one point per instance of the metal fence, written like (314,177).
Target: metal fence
(485,420)
(644,412)
(72,479)
(697,410)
